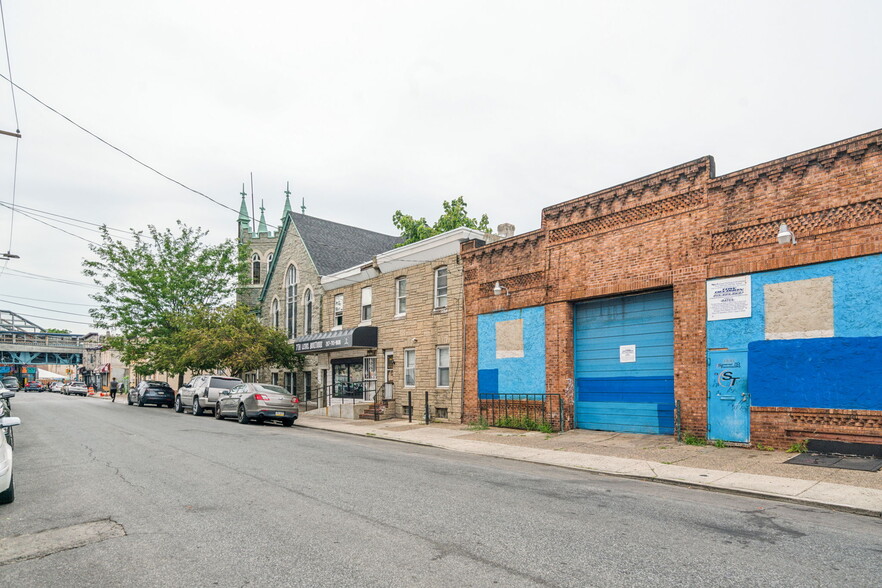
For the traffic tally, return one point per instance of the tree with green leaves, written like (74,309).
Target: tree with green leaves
(232,337)
(455,215)
(151,288)
(59,331)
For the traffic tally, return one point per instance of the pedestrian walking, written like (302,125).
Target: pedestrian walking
(113,387)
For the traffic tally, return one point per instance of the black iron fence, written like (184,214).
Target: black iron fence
(534,412)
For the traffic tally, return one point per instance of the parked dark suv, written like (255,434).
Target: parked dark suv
(152,392)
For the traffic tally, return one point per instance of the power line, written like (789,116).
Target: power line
(9,68)
(50,301)
(46,213)
(34,217)
(44,308)
(42,222)
(24,274)
(53,318)
(121,151)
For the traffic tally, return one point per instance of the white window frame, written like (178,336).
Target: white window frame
(441,298)
(442,366)
(366,304)
(401,296)
(291,301)
(337,323)
(410,368)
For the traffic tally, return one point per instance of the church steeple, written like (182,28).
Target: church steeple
(261,227)
(244,217)
(287,208)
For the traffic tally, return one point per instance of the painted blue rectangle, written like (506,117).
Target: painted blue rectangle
(625,389)
(627,417)
(840,372)
(523,374)
(488,383)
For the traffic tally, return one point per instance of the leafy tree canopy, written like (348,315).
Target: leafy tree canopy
(232,337)
(59,331)
(455,215)
(151,289)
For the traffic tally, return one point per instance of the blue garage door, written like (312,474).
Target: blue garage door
(624,354)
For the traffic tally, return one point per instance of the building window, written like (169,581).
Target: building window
(442,361)
(291,382)
(338,310)
(291,301)
(441,287)
(401,296)
(255,269)
(366,304)
(307,385)
(307,311)
(275,378)
(276,314)
(409,368)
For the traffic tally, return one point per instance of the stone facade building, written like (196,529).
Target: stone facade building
(286,270)
(391,331)
(742,307)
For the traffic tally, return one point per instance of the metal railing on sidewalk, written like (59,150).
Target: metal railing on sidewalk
(536,412)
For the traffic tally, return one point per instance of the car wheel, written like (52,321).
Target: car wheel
(179,407)
(287,422)
(10,438)
(197,408)
(141,401)
(217,412)
(8,495)
(242,417)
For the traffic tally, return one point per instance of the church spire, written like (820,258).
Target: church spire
(244,218)
(261,228)
(287,208)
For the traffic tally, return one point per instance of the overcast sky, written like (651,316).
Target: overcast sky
(367,107)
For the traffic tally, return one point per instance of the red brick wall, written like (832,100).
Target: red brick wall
(675,229)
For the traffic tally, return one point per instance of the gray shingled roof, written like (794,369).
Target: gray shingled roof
(334,246)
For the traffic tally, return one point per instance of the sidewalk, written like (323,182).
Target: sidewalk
(645,457)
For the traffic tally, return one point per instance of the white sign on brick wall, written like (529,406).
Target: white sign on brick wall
(728,298)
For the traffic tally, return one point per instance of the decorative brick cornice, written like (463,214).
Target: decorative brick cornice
(630,216)
(687,177)
(517,243)
(798,164)
(858,214)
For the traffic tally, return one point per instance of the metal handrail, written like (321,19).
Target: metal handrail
(523,411)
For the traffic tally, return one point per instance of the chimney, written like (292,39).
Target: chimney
(506,230)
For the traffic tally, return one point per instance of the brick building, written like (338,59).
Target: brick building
(743,306)
(392,331)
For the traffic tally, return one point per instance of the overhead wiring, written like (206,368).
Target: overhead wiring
(46,309)
(12,87)
(24,274)
(53,318)
(40,212)
(35,216)
(123,152)
(42,222)
(49,301)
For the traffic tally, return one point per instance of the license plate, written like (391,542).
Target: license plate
(280,414)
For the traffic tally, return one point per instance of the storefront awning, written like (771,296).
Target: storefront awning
(359,337)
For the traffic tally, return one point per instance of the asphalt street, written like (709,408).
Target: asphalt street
(176,500)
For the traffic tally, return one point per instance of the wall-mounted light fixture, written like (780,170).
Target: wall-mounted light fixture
(497,290)
(785,236)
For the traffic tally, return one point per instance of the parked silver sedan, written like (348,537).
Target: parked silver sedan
(262,402)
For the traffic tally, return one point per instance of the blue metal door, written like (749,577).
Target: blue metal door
(728,399)
(624,363)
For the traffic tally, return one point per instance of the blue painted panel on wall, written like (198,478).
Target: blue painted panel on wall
(840,372)
(856,282)
(488,383)
(515,375)
(612,395)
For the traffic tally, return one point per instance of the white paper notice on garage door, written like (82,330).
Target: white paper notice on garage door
(728,298)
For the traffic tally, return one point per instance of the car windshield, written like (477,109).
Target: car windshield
(225,383)
(77,384)
(271,389)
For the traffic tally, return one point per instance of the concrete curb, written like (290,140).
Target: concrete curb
(790,490)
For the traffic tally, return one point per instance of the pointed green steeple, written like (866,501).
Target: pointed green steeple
(244,218)
(261,228)
(287,208)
